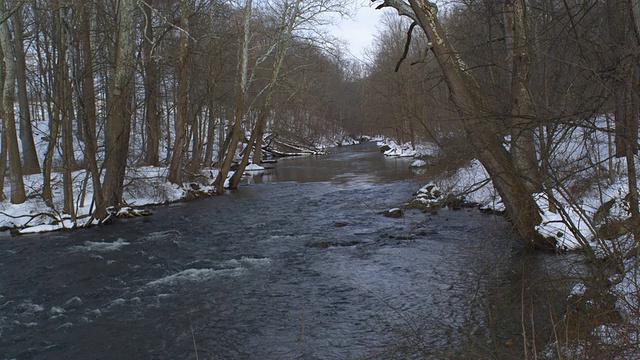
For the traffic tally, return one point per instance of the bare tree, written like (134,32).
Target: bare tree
(119,105)
(152,112)
(478,119)
(288,20)
(18,194)
(240,105)
(627,91)
(182,105)
(522,124)
(87,105)
(31,164)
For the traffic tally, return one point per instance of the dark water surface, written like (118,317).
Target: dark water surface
(297,266)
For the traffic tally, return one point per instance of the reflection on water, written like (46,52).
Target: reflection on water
(351,165)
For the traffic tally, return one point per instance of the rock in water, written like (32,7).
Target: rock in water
(394,213)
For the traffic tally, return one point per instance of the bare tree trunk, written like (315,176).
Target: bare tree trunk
(68,158)
(87,106)
(31,164)
(119,107)
(152,113)
(522,129)
(198,143)
(257,152)
(260,122)
(18,194)
(3,162)
(237,176)
(4,149)
(63,104)
(211,131)
(625,93)
(181,122)
(60,117)
(632,145)
(240,105)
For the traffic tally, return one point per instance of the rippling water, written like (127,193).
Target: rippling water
(298,265)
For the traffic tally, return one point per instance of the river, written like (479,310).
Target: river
(297,265)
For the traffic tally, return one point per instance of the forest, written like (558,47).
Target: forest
(108,86)
(115,85)
(545,95)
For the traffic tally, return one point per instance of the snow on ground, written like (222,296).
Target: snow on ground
(572,224)
(406,149)
(253,167)
(144,186)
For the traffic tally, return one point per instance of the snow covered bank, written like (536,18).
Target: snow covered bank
(573,222)
(145,186)
(391,148)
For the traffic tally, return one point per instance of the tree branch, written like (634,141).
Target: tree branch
(406,46)
(11,11)
(402,7)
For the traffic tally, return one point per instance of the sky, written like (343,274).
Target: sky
(359,32)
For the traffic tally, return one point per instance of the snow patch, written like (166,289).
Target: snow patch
(64,224)
(253,167)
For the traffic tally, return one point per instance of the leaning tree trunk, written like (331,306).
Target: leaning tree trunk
(18,194)
(482,130)
(260,122)
(240,105)
(257,153)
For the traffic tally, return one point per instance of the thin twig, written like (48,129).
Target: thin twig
(193,337)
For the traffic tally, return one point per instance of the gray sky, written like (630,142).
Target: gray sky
(360,31)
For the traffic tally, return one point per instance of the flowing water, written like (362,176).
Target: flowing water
(297,265)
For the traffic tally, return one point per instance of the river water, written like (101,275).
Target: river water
(297,265)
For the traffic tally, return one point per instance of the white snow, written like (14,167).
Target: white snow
(253,167)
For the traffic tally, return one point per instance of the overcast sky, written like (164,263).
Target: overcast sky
(360,31)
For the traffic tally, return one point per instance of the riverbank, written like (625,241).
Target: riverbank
(568,220)
(587,214)
(145,186)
